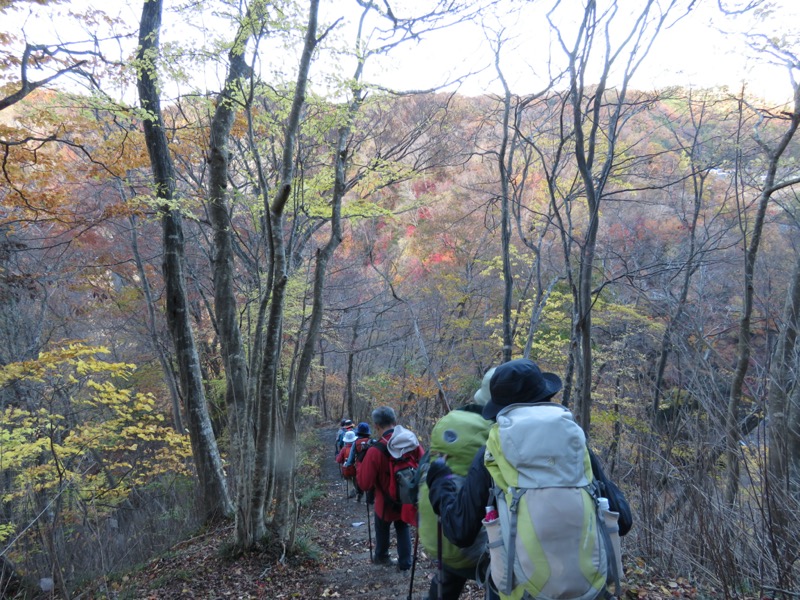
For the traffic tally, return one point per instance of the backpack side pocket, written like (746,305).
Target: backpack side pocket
(611,521)
(498,556)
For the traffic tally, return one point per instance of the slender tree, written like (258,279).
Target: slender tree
(598,115)
(226,310)
(774,154)
(213,486)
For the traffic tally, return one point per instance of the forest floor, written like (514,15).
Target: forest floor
(337,565)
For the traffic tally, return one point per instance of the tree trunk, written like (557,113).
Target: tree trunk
(213,488)
(582,295)
(237,400)
(504,163)
(268,401)
(166,367)
(597,121)
(323,392)
(774,155)
(781,390)
(351,355)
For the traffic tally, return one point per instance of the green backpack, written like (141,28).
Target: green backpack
(549,540)
(458,435)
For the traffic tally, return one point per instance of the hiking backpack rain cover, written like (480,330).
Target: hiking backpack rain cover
(547,542)
(458,435)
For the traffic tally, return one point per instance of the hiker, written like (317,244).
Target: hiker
(514,385)
(458,435)
(376,473)
(339,434)
(356,456)
(348,473)
(347,425)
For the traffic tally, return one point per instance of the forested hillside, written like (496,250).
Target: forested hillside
(193,276)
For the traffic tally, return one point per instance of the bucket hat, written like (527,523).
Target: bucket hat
(519,382)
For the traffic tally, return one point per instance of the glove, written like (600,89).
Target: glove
(437,469)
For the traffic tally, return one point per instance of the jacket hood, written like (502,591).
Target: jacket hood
(403,440)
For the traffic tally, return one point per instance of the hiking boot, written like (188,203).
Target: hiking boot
(360,495)
(351,494)
(385,562)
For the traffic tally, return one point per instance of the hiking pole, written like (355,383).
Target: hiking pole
(439,561)
(414,566)
(369,530)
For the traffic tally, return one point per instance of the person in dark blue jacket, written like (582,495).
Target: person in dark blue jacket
(462,510)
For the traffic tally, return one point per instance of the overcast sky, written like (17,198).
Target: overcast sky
(704,49)
(693,52)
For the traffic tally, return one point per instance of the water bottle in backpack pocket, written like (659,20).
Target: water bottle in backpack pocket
(497,553)
(610,520)
(549,540)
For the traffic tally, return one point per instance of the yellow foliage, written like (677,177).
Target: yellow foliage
(79,436)
(6,531)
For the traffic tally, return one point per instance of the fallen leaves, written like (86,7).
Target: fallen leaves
(197,569)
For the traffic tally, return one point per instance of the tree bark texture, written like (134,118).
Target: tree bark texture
(213,487)
(268,407)
(237,400)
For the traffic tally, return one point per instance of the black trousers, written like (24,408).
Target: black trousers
(453,583)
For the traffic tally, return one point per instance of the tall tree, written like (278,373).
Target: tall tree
(213,486)
(267,406)
(240,406)
(598,114)
(773,151)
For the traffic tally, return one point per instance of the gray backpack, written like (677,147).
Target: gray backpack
(550,539)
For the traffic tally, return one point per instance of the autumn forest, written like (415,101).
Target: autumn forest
(194,277)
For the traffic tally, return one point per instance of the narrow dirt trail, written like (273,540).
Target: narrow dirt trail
(355,576)
(335,528)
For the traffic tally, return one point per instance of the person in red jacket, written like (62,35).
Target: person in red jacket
(348,472)
(374,473)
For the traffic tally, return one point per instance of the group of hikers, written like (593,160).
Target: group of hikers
(509,493)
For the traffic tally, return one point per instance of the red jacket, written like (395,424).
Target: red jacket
(374,473)
(347,472)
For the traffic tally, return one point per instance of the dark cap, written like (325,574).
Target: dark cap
(519,382)
(363,429)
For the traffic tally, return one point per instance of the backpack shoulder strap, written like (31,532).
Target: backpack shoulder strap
(381,444)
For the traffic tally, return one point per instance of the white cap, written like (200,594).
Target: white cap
(483,395)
